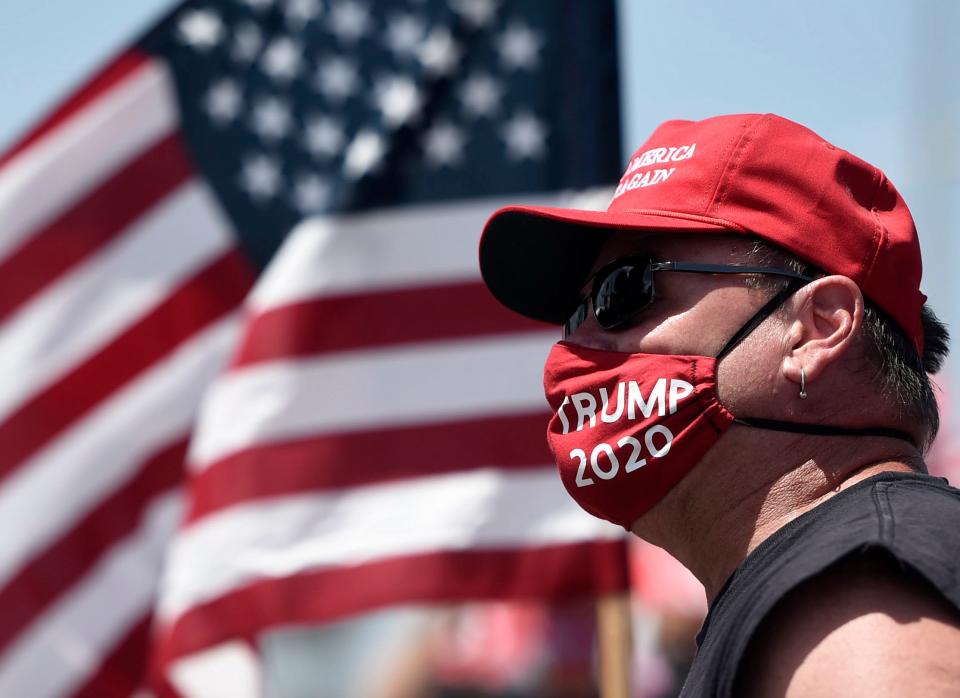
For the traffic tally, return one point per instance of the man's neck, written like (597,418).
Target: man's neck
(727,506)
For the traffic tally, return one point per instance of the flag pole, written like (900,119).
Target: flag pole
(615,645)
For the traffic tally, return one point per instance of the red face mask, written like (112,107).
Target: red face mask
(626,427)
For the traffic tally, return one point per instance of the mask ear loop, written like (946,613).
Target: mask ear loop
(766,311)
(776,425)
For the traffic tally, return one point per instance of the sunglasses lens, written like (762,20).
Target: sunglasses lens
(579,315)
(621,294)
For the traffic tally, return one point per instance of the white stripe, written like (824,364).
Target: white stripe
(228,670)
(77,156)
(109,292)
(372,388)
(59,652)
(490,508)
(43,499)
(408,246)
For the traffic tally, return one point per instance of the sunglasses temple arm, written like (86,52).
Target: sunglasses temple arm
(725,269)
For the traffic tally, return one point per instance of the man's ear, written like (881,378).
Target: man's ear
(827,315)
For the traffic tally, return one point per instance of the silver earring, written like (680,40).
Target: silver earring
(803,384)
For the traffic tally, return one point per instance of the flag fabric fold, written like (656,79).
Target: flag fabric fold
(360,426)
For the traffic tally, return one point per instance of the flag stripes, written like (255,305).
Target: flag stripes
(90,619)
(82,152)
(374,438)
(123,667)
(52,572)
(91,223)
(119,284)
(103,83)
(383,387)
(553,572)
(287,535)
(399,316)
(159,406)
(376,455)
(414,246)
(186,310)
(86,310)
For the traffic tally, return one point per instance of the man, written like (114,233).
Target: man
(743,381)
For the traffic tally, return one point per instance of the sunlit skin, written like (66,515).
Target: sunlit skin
(754,481)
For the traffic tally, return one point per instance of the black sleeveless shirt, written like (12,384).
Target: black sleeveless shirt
(913,517)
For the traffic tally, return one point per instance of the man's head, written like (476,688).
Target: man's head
(750,174)
(823,327)
(755,191)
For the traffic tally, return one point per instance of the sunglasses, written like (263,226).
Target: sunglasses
(623,288)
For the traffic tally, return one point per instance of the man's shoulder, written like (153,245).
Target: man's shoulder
(909,495)
(877,621)
(916,497)
(911,521)
(864,626)
(915,516)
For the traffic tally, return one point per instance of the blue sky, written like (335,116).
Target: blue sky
(47,47)
(879,78)
(850,70)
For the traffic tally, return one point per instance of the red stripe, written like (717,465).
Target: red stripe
(124,67)
(338,323)
(160,687)
(41,581)
(550,573)
(93,222)
(123,670)
(366,457)
(199,301)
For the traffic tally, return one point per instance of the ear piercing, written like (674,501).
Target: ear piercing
(803,384)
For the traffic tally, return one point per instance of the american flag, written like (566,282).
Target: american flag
(371,429)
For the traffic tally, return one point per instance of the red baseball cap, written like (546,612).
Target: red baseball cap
(758,174)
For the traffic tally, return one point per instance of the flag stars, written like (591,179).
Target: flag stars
(443,145)
(404,34)
(439,53)
(349,20)
(260,177)
(311,193)
(247,42)
(476,13)
(324,136)
(272,119)
(201,29)
(283,59)
(525,136)
(299,13)
(223,101)
(398,99)
(364,154)
(480,95)
(519,47)
(337,78)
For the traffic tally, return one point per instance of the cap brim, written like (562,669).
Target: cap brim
(534,259)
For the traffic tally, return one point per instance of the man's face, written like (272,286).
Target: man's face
(696,314)
(692,313)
